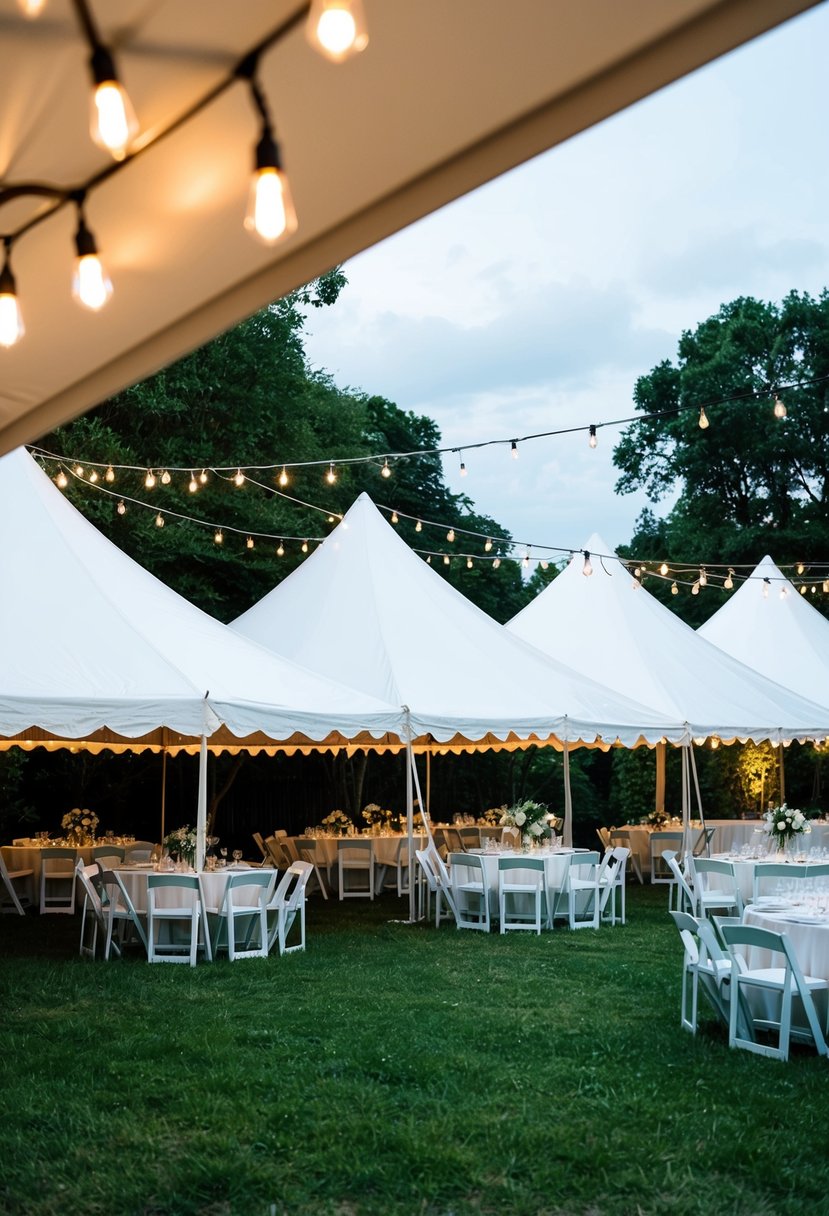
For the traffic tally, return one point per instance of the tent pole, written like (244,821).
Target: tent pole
(163,794)
(696,782)
(567,832)
(661,750)
(410,761)
(686,805)
(429,782)
(201,813)
(781,774)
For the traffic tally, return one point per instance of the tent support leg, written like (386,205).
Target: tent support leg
(201,813)
(567,831)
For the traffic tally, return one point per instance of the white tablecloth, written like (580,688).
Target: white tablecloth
(27,857)
(213,883)
(810,940)
(556,870)
(744,873)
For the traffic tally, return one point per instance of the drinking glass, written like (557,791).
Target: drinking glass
(237,856)
(223,861)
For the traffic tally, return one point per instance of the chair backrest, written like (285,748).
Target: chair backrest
(58,853)
(352,845)
(184,882)
(688,928)
(301,871)
(669,857)
(87,875)
(604,837)
(260,844)
(469,861)
(306,846)
(116,899)
(622,854)
(452,837)
(470,837)
(426,866)
(708,865)
(520,863)
(263,879)
(139,850)
(275,852)
(279,832)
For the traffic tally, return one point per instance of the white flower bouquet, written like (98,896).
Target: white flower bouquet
(492,816)
(80,823)
(182,844)
(532,819)
(783,824)
(375,816)
(337,823)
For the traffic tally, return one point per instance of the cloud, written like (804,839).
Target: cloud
(717,261)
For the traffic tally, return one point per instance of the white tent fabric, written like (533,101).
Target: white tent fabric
(446,96)
(780,635)
(366,609)
(90,640)
(622,635)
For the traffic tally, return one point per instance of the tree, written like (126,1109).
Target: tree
(750,483)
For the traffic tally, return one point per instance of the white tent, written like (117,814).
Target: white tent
(616,632)
(366,609)
(445,97)
(776,631)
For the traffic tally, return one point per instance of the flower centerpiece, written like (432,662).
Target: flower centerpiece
(337,823)
(783,824)
(492,816)
(182,844)
(375,817)
(80,825)
(532,819)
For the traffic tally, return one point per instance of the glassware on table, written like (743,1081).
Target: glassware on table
(223,861)
(237,856)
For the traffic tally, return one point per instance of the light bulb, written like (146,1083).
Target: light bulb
(203,477)
(703,577)
(159,520)
(463,469)
(385,471)
(826,587)
(496,563)
(93,476)
(800,567)
(218,537)
(587,568)
(695,588)
(149,480)
(238,478)
(304,546)
(193,485)
(418,526)
(337,28)
(446,559)
(729,581)
(113,124)
(331,519)
(91,285)
(394,518)
(280,552)
(544,565)
(663,569)
(803,589)
(283,477)
(812,590)
(121,508)
(110,474)
(62,481)
(526,561)
(514,449)
(637,572)
(469,563)
(166,477)
(11,319)
(331,475)
(594,439)
(780,410)
(703,420)
(249,542)
(270,215)
(450,535)
(488,545)
(31,8)
(429,560)
(79,470)
(674,589)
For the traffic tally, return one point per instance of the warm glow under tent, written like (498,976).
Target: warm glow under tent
(623,636)
(779,633)
(447,96)
(366,610)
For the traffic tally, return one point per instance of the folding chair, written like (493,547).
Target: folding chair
(524,889)
(658,842)
(397,876)
(92,915)
(621,839)
(57,874)
(355,857)
(119,911)
(260,844)
(436,886)
(306,848)
(581,887)
(704,964)
(20,900)
(139,850)
(186,916)
(470,838)
(604,838)
(255,887)
(725,896)
(611,880)
(288,902)
(276,854)
(470,891)
(452,840)
(782,983)
(107,856)
(702,844)
(768,875)
(686,899)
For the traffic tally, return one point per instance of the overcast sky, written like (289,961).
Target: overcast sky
(535,302)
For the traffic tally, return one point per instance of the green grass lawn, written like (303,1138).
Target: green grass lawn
(393,1069)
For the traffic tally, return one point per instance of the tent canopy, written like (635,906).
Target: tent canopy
(92,643)
(624,637)
(366,609)
(780,635)
(446,97)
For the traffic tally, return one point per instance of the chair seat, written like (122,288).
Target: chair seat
(774,977)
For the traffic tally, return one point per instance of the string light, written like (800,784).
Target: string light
(826,587)
(62,481)
(121,508)
(11,318)
(803,589)
(695,588)
(703,577)
(544,565)
(514,448)
(270,215)
(450,535)
(283,478)
(238,478)
(249,543)
(193,485)
(110,474)
(91,285)
(79,470)
(218,536)
(418,526)
(703,420)
(663,569)
(93,476)
(469,563)
(526,561)
(446,559)
(149,480)
(463,466)
(800,567)
(587,568)
(729,580)
(159,520)
(331,475)
(166,478)
(304,546)
(337,28)
(31,8)
(496,563)
(385,471)
(395,518)
(593,437)
(113,124)
(780,410)
(203,477)
(488,545)
(280,550)
(674,589)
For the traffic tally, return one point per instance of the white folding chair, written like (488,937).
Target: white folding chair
(779,985)
(622,839)
(57,880)
(139,850)
(286,904)
(20,899)
(107,856)
(581,892)
(306,848)
(260,844)
(658,842)
(436,885)
(119,911)
(528,889)
(612,879)
(715,884)
(183,920)
(355,857)
(768,875)
(92,916)
(686,899)
(470,891)
(242,915)
(705,965)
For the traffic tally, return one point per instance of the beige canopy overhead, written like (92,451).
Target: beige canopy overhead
(445,97)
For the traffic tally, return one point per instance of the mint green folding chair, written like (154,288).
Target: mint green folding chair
(242,916)
(470,891)
(527,894)
(175,930)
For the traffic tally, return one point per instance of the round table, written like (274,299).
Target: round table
(556,870)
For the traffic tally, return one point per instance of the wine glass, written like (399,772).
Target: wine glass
(237,856)
(223,852)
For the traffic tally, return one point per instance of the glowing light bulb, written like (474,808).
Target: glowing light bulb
(637,572)
(780,410)
(110,474)
(203,477)
(31,8)
(121,508)
(331,475)
(800,567)
(469,563)
(62,481)
(91,284)
(218,537)
(11,319)
(826,587)
(587,568)
(544,565)
(429,560)
(703,577)
(249,542)
(488,545)
(593,437)
(331,519)
(446,559)
(166,477)
(674,589)
(463,469)
(394,518)
(193,485)
(385,471)
(337,28)
(113,124)
(695,588)
(93,476)
(79,470)
(514,449)
(159,520)
(703,420)
(149,480)
(270,215)
(450,535)
(280,552)
(803,589)
(238,478)
(304,546)
(283,477)
(496,563)
(663,569)
(418,526)
(729,581)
